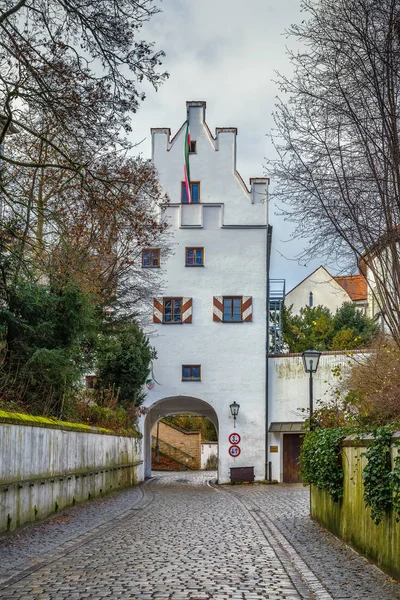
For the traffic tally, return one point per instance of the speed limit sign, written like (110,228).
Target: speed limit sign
(234,439)
(234,451)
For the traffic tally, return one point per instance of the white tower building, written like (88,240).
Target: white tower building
(209,327)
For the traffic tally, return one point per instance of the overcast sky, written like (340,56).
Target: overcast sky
(226,52)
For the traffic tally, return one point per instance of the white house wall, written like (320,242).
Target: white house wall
(326,291)
(288,394)
(231,224)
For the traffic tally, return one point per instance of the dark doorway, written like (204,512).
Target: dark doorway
(291,453)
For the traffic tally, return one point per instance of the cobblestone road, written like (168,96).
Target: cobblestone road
(178,538)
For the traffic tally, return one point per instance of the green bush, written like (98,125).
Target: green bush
(321,462)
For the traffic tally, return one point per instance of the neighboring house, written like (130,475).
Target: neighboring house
(321,288)
(380,265)
(209,326)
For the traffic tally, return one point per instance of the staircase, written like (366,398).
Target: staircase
(171,458)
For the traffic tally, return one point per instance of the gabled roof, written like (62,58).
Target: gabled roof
(310,275)
(354,285)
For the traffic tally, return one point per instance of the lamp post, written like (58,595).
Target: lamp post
(310,362)
(234,411)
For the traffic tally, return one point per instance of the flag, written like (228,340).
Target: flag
(186,168)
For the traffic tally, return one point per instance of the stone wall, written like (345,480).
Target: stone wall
(350,520)
(187,442)
(43,469)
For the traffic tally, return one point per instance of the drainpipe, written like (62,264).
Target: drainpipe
(267,266)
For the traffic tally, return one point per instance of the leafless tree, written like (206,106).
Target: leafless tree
(337,137)
(74,199)
(70,75)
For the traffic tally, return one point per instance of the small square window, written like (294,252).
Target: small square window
(191,372)
(194,192)
(193,148)
(90,382)
(151,257)
(232,309)
(194,257)
(172,310)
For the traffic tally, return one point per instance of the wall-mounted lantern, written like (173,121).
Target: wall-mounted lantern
(234,411)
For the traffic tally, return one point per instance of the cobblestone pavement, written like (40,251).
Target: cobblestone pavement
(284,509)
(178,538)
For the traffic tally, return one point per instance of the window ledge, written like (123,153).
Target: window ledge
(233,322)
(191,266)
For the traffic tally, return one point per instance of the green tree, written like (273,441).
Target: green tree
(317,328)
(353,329)
(312,328)
(123,361)
(43,333)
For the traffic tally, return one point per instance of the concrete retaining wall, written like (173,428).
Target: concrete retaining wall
(43,470)
(350,520)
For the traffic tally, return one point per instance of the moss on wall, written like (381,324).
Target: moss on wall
(34,421)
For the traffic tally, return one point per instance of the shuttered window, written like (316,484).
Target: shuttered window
(172,310)
(233,309)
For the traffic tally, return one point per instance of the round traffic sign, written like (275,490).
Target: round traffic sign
(234,451)
(234,439)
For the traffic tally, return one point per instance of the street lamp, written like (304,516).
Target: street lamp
(234,411)
(310,362)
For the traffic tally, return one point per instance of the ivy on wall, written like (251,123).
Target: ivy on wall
(394,477)
(320,460)
(376,475)
(321,466)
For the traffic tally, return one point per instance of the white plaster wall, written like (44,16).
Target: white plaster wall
(44,470)
(326,291)
(288,393)
(232,355)
(39,451)
(208,449)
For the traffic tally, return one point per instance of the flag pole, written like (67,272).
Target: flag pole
(186,167)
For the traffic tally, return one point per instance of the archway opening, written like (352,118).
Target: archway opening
(180,433)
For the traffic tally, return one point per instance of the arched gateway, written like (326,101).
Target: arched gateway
(174,405)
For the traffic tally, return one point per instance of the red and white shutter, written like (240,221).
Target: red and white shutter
(218,308)
(186,310)
(158,309)
(247,309)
